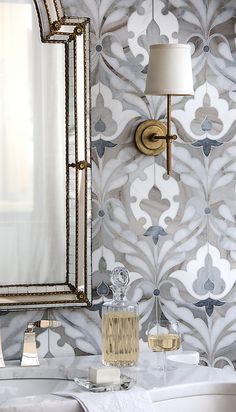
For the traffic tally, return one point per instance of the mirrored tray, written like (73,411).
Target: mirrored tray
(125,383)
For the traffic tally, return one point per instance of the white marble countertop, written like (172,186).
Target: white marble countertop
(70,367)
(146,374)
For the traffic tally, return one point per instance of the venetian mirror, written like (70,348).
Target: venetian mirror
(45,178)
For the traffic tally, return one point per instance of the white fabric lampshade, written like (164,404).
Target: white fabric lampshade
(169,70)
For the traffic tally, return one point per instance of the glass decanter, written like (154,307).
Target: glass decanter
(120,324)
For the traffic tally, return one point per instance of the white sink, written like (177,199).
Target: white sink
(14,388)
(189,357)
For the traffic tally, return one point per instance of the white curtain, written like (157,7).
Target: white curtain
(32,150)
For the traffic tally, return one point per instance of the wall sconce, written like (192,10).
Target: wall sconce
(169,73)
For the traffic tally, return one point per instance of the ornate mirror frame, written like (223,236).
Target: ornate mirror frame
(73,32)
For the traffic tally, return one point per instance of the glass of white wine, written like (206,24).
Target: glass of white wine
(163,336)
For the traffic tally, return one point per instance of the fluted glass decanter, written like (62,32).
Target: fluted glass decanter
(120,324)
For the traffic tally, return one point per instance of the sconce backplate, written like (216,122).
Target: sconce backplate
(146,137)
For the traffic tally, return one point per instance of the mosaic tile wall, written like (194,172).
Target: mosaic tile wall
(177,234)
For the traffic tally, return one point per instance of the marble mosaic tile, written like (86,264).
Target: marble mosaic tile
(177,234)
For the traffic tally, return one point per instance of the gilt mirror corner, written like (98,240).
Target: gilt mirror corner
(45,179)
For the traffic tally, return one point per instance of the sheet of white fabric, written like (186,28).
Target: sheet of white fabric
(134,400)
(32,142)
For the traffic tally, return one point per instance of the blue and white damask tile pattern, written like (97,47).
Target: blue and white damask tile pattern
(176,235)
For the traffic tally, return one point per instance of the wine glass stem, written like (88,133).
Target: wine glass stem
(164,361)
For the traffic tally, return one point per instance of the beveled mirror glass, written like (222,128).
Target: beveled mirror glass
(45,178)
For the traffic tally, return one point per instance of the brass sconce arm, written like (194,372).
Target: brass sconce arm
(169,136)
(152,137)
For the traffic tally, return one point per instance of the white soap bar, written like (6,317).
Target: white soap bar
(104,374)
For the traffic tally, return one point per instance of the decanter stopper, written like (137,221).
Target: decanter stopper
(120,281)
(120,276)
